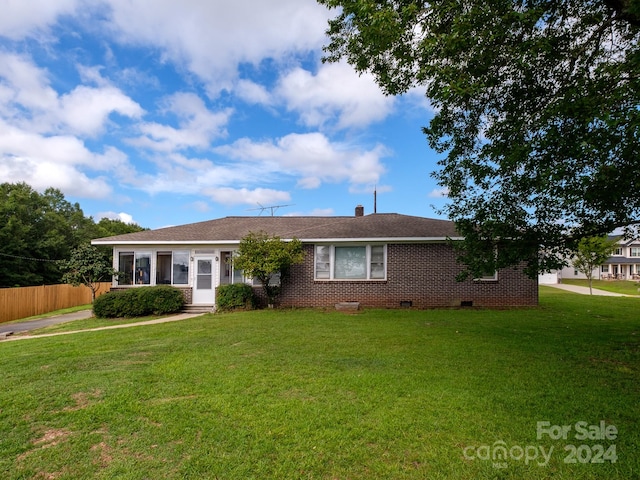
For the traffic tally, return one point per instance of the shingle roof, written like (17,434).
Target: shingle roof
(231,229)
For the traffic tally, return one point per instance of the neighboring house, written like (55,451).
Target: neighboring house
(624,264)
(379,260)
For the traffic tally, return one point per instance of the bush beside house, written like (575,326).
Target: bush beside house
(236,295)
(138,302)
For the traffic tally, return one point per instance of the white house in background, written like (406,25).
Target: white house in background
(624,264)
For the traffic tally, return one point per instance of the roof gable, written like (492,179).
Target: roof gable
(383,226)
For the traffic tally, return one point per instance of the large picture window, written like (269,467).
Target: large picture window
(350,262)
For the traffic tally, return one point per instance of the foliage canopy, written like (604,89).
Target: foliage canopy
(39,230)
(269,259)
(87,266)
(536,111)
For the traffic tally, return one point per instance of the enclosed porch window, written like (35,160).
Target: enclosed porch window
(172,268)
(134,268)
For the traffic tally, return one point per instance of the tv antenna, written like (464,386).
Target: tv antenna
(272,208)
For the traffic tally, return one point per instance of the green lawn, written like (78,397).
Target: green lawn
(305,394)
(627,287)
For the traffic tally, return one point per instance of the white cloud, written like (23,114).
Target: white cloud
(245,196)
(438,193)
(336,94)
(27,84)
(197,126)
(42,174)
(122,216)
(21,18)
(59,161)
(200,206)
(418,98)
(29,101)
(211,38)
(72,139)
(322,212)
(312,158)
(253,93)
(85,110)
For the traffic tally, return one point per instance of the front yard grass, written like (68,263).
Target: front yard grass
(397,394)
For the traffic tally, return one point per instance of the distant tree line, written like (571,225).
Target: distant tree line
(39,232)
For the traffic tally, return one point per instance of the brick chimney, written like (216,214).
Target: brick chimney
(359,211)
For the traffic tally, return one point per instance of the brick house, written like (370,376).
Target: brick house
(379,260)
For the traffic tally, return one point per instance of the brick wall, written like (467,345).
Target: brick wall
(423,274)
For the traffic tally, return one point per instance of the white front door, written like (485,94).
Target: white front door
(203,285)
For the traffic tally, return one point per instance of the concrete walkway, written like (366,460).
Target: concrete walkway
(585,290)
(27,326)
(44,322)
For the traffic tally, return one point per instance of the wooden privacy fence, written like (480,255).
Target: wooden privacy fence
(28,301)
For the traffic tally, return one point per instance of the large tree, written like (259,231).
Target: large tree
(536,112)
(38,230)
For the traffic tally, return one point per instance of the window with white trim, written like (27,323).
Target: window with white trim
(618,251)
(350,262)
(489,277)
(634,252)
(172,268)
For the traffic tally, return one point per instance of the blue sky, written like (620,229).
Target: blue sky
(164,113)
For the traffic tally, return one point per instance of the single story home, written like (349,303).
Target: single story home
(379,260)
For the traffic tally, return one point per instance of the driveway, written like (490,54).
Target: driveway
(585,290)
(30,325)
(43,322)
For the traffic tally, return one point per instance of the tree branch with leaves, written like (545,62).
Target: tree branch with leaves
(268,259)
(87,266)
(536,113)
(592,252)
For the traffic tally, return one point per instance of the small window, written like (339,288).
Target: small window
(604,268)
(377,262)
(618,251)
(323,262)
(489,277)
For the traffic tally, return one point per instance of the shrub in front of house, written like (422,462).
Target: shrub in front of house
(236,295)
(139,302)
